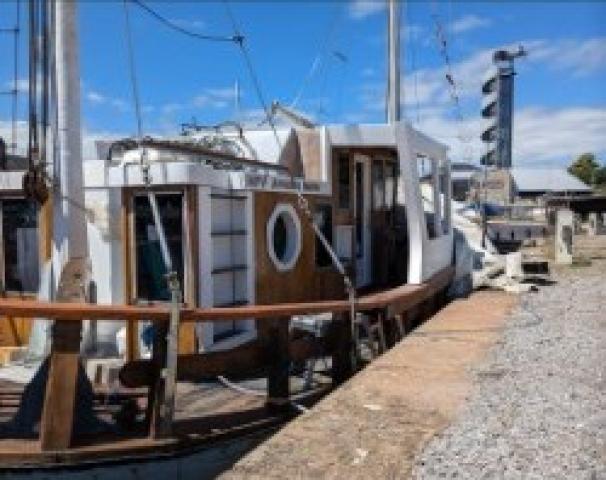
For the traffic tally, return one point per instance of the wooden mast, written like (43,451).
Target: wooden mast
(69,245)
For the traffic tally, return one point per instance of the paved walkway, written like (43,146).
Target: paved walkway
(374,425)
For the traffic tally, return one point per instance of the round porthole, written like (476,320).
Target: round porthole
(284,237)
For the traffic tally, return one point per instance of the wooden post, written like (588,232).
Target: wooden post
(57,420)
(278,376)
(342,344)
(156,391)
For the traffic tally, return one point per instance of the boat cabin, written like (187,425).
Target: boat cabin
(235,228)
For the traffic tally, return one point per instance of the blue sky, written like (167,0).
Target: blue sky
(560,90)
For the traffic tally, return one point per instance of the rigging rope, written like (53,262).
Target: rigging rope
(238,38)
(463,136)
(132,70)
(301,200)
(15,93)
(251,71)
(172,25)
(320,56)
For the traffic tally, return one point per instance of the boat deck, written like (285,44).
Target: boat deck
(206,414)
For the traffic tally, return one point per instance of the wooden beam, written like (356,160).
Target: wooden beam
(154,413)
(275,343)
(241,362)
(397,300)
(57,420)
(342,360)
(127,226)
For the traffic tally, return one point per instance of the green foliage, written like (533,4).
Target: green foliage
(587,169)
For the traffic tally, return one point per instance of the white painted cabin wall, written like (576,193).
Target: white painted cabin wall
(427,256)
(105,251)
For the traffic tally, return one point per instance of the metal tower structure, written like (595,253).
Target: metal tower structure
(497,108)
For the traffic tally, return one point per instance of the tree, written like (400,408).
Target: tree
(600,176)
(585,168)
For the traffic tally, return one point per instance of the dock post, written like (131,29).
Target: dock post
(342,343)
(156,392)
(278,376)
(57,418)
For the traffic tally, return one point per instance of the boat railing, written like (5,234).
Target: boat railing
(273,351)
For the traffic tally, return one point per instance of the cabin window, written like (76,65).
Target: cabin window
(344,182)
(20,267)
(323,219)
(360,206)
(151,270)
(391,175)
(284,237)
(378,185)
(429,193)
(384,176)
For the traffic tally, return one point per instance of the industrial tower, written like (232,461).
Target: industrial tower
(497,107)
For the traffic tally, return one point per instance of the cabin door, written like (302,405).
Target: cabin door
(362,220)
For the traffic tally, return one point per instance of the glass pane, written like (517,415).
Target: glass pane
(323,219)
(359,209)
(344,186)
(390,185)
(20,231)
(378,186)
(151,271)
(280,238)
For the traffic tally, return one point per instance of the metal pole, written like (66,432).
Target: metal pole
(393,85)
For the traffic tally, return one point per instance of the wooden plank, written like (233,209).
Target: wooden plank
(127,226)
(57,419)
(187,331)
(275,343)
(341,338)
(56,425)
(397,300)
(241,362)
(154,413)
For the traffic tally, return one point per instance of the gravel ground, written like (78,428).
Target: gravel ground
(539,408)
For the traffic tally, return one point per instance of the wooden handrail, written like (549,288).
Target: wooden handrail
(405,294)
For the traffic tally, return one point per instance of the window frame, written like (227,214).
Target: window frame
(3,289)
(188,243)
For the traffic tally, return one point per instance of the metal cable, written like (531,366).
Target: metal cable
(320,56)
(132,70)
(302,201)
(15,105)
(172,25)
(251,71)
(33,75)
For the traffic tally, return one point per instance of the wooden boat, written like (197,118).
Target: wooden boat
(265,230)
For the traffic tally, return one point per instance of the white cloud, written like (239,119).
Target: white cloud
(467,23)
(95,97)
(359,9)
(21,137)
(89,138)
(545,135)
(216,98)
(541,136)
(580,57)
